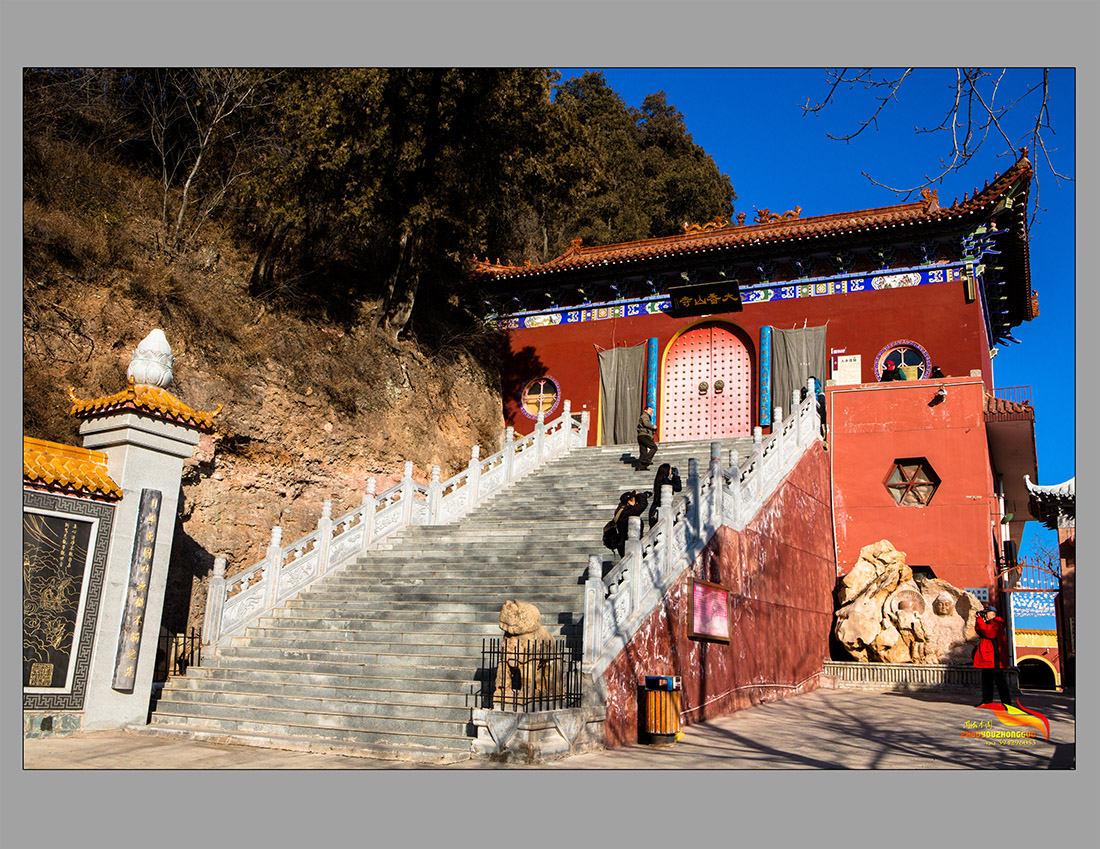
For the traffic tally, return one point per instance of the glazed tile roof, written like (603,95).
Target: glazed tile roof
(786,228)
(1058,492)
(1000,410)
(1053,505)
(67,469)
(150,399)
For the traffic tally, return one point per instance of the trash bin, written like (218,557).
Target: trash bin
(662,708)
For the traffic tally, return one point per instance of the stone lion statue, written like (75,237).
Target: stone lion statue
(521,675)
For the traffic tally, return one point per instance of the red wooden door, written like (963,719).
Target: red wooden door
(707,386)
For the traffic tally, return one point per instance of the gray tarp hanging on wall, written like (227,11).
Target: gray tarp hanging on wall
(797,355)
(622,387)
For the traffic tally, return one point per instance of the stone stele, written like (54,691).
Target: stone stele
(886,615)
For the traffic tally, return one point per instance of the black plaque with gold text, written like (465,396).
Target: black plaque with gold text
(704,299)
(55,559)
(137,594)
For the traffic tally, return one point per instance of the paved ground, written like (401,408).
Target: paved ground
(825,729)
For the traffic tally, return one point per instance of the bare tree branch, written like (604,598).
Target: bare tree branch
(973,113)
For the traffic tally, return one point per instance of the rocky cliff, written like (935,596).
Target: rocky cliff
(310,407)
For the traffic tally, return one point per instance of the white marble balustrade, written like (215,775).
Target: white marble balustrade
(729,492)
(235,602)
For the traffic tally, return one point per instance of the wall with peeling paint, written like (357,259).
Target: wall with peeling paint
(781,572)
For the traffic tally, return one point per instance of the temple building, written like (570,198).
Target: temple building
(718,328)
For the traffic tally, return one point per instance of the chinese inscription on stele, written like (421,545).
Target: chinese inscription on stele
(137,594)
(55,556)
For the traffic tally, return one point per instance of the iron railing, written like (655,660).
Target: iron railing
(175,653)
(543,675)
(1015,394)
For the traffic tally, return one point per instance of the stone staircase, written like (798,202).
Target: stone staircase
(382,657)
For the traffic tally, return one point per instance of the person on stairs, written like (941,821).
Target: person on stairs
(647,447)
(666,474)
(632,503)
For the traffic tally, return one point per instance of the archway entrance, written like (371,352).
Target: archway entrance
(1036,673)
(707,385)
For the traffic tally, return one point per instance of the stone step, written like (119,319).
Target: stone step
(443,681)
(407,752)
(498,597)
(363,651)
(234,690)
(348,664)
(200,701)
(408,734)
(402,618)
(329,671)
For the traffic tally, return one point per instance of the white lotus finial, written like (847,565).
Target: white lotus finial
(151,363)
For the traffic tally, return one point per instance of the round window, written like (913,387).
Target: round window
(540,395)
(908,355)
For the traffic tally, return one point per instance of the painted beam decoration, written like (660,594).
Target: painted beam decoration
(137,594)
(755,294)
(704,299)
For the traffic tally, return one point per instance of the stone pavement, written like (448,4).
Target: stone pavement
(824,729)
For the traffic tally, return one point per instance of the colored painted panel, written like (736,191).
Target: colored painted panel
(707,386)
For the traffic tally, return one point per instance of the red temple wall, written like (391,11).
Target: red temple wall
(935,316)
(781,574)
(872,426)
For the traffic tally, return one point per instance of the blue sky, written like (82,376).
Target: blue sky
(751,122)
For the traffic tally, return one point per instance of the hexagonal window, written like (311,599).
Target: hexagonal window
(912,481)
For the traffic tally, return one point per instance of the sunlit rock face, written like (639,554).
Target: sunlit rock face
(151,363)
(888,615)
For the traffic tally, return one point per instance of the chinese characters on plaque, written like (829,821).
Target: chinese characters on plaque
(137,594)
(704,299)
(55,554)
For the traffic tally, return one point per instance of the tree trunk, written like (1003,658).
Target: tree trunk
(401,288)
(263,272)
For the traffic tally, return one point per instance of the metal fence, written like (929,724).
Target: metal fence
(543,675)
(176,652)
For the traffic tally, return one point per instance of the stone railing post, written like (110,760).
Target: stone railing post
(273,563)
(215,603)
(540,437)
(697,515)
(565,432)
(509,452)
(434,495)
(736,497)
(716,488)
(324,537)
(593,609)
(473,477)
(633,549)
(582,434)
(369,507)
(665,514)
(407,493)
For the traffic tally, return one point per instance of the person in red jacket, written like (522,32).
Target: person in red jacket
(991,655)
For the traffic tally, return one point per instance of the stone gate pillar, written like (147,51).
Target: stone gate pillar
(146,434)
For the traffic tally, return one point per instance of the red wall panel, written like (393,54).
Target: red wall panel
(781,574)
(872,426)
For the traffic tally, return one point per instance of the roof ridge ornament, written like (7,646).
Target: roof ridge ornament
(765,216)
(931,199)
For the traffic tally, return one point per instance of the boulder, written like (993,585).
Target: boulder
(886,615)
